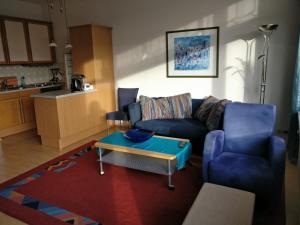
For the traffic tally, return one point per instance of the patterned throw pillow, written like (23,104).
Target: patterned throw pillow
(215,115)
(158,108)
(204,109)
(181,106)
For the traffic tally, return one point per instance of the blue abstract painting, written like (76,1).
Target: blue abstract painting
(192,53)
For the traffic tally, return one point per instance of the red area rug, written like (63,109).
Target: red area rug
(69,190)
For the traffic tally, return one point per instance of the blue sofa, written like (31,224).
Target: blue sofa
(191,129)
(245,154)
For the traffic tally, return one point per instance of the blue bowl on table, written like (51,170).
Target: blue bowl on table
(138,135)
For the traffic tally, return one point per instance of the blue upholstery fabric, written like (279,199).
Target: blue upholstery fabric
(118,115)
(242,171)
(126,96)
(181,128)
(191,129)
(195,105)
(135,112)
(213,147)
(246,155)
(248,127)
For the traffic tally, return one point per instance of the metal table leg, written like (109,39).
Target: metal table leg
(170,185)
(100,161)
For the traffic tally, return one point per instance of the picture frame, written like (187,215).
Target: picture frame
(193,53)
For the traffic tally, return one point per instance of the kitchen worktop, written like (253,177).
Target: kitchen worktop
(32,88)
(64,118)
(60,94)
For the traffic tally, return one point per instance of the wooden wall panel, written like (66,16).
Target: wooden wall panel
(82,52)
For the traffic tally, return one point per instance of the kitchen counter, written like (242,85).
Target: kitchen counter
(32,88)
(60,94)
(64,118)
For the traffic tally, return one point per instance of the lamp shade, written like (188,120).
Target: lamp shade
(267,27)
(68,46)
(52,44)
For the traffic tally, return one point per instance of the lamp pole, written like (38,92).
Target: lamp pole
(267,31)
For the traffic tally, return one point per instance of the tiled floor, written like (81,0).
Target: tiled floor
(22,152)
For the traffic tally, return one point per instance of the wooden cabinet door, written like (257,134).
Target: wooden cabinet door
(28,109)
(39,35)
(16,41)
(10,113)
(3,59)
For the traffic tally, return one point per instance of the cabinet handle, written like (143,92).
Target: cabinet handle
(22,111)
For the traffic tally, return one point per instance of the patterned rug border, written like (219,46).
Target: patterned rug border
(8,189)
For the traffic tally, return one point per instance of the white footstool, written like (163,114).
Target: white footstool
(220,205)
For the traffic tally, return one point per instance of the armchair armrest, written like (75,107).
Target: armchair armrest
(276,156)
(213,146)
(135,113)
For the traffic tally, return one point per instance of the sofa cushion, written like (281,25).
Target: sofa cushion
(181,128)
(247,172)
(216,114)
(181,106)
(155,108)
(203,111)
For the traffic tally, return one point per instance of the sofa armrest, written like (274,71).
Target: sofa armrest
(213,146)
(135,113)
(276,155)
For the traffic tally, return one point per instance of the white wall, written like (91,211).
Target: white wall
(22,9)
(140,53)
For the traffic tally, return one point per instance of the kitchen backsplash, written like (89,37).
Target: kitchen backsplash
(33,74)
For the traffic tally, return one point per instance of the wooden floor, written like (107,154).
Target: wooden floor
(22,152)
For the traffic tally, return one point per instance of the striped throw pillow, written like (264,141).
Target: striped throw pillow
(181,106)
(155,108)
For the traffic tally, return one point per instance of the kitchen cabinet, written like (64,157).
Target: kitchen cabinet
(27,105)
(39,36)
(17,112)
(92,57)
(16,41)
(3,58)
(10,112)
(25,41)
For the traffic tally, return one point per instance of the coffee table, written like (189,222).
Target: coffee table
(161,155)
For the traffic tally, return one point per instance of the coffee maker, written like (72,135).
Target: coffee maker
(77,82)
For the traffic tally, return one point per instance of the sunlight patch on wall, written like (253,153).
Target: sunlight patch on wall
(241,12)
(141,56)
(153,82)
(239,70)
(207,21)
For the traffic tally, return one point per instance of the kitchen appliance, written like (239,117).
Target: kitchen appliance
(77,82)
(88,87)
(8,82)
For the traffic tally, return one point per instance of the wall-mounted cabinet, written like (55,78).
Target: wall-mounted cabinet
(25,41)
(39,36)
(16,41)
(3,59)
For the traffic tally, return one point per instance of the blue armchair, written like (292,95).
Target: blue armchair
(245,154)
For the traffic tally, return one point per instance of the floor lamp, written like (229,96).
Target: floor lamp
(266,31)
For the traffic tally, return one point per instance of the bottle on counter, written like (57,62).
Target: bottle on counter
(23,83)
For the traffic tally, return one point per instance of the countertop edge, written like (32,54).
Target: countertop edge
(33,88)
(44,95)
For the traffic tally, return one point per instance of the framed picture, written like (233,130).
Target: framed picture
(193,53)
